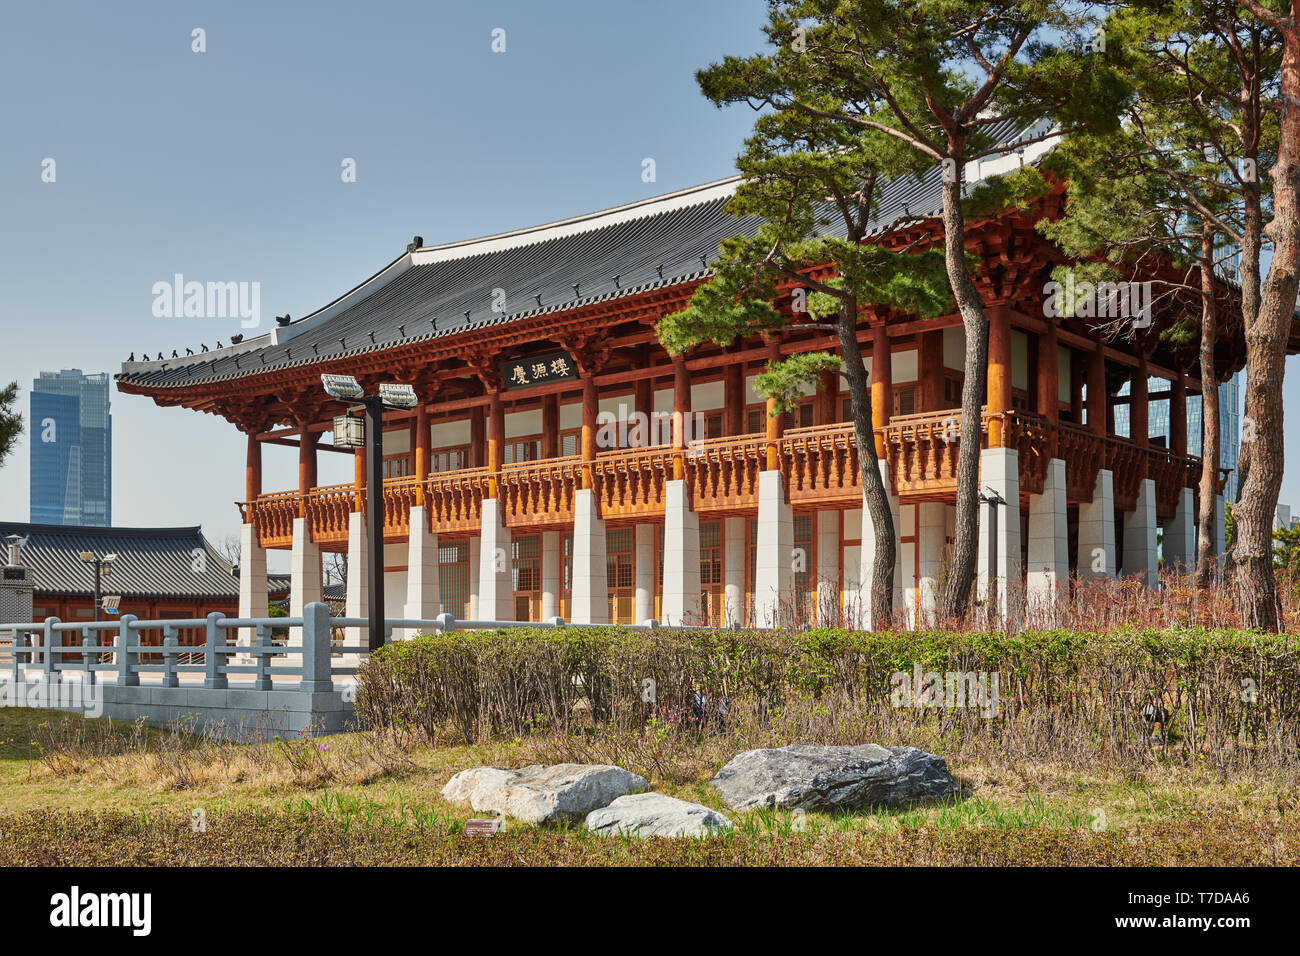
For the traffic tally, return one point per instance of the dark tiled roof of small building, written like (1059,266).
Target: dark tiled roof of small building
(444,290)
(163,562)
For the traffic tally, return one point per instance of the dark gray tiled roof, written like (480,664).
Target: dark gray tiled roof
(151,561)
(647,245)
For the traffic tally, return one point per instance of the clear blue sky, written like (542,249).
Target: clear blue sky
(225,166)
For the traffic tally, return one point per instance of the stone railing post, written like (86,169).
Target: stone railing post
(49,665)
(263,660)
(19,640)
(316,649)
(214,674)
(89,651)
(126,675)
(169,678)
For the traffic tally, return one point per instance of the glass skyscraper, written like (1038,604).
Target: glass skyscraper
(1229,423)
(71,434)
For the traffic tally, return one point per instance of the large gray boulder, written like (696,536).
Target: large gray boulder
(808,777)
(538,794)
(655,814)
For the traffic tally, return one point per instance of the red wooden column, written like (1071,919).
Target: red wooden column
(253,474)
(1049,385)
(931,371)
(775,420)
(1178,415)
(1076,388)
(359,479)
(733,399)
(590,409)
(999,377)
(1139,415)
(681,414)
(477,438)
(496,443)
(1097,390)
(827,398)
(422,451)
(306,467)
(882,384)
(551,426)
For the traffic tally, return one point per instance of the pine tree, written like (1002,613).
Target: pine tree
(936,76)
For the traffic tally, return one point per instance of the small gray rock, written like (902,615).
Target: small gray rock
(538,794)
(809,777)
(655,814)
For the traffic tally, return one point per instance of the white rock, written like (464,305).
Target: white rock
(655,814)
(538,794)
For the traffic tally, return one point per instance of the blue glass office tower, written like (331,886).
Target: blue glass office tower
(1229,423)
(71,436)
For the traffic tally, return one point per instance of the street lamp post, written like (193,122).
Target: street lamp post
(347,388)
(102,567)
(993,499)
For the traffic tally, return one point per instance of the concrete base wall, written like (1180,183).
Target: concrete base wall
(235,713)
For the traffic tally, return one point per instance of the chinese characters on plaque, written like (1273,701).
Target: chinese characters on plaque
(538,370)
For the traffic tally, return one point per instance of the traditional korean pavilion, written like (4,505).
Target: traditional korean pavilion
(541,473)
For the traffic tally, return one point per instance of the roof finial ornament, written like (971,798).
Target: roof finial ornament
(538,297)
(189,351)
(617,280)
(660,270)
(131,357)
(415,244)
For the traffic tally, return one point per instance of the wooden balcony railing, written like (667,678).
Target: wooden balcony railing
(820,465)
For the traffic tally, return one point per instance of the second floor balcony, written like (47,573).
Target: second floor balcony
(819,464)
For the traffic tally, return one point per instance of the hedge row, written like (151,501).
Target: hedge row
(1212,687)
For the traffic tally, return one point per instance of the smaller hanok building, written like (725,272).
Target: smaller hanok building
(559,462)
(156,574)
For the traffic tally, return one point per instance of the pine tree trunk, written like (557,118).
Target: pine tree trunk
(1205,510)
(961,573)
(873,485)
(1266,338)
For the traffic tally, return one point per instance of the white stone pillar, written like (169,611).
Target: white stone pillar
(931,538)
(827,579)
(867,553)
(1047,578)
(496,593)
(644,571)
(552,573)
(1140,536)
(358,598)
(423,571)
(304,576)
(734,545)
(253,600)
(1000,472)
(475,552)
(590,571)
(1179,544)
(773,572)
(1097,529)
(681,590)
